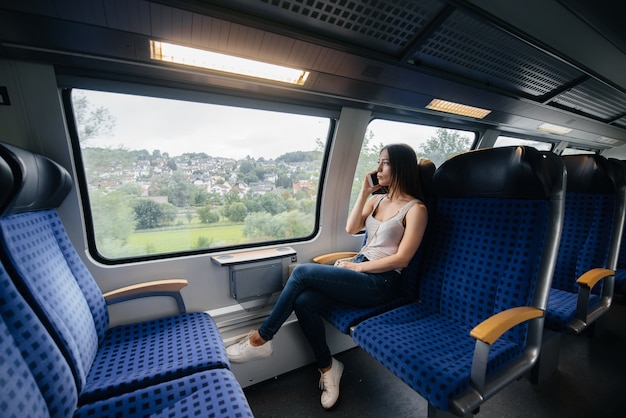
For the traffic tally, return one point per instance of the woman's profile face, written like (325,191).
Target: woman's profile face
(384,169)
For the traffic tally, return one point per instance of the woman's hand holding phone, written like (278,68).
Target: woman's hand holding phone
(372,178)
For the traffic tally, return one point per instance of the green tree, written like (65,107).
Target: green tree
(235,212)
(368,161)
(113,219)
(200,196)
(207,216)
(91,121)
(203,242)
(149,214)
(231,197)
(273,203)
(256,225)
(172,165)
(175,186)
(443,145)
(292,224)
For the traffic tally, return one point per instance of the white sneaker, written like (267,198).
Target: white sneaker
(329,383)
(243,351)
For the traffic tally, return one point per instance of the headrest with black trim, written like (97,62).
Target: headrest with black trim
(427,170)
(40,182)
(507,172)
(589,173)
(7,185)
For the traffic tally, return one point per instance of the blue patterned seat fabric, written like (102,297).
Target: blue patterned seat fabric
(104,362)
(590,205)
(19,393)
(483,256)
(37,381)
(344,317)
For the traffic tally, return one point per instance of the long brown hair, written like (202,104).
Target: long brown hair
(405,173)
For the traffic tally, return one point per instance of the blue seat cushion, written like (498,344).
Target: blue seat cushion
(430,352)
(212,393)
(343,317)
(561,309)
(141,354)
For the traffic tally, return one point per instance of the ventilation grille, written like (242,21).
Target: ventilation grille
(467,47)
(594,98)
(386,26)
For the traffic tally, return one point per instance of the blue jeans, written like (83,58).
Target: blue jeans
(313,287)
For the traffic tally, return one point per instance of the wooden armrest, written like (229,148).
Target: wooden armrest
(166,287)
(332,257)
(493,327)
(593,276)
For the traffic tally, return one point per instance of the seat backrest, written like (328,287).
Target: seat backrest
(410,278)
(7,185)
(19,393)
(61,291)
(35,378)
(590,218)
(494,237)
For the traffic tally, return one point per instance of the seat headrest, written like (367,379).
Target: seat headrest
(7,185)
(589,173)
(39,182)
(619,172)
(427,169)
(507,172)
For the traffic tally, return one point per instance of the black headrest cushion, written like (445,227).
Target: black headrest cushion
(7,185)
(507,172)
(41,183)
(427,170)
(589,173)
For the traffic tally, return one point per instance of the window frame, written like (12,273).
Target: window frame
(194,96)
(419,121)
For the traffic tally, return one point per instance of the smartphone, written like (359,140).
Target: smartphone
(373,179)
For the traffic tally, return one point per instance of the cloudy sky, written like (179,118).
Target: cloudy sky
(177,127)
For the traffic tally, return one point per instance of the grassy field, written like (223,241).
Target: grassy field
(180,239)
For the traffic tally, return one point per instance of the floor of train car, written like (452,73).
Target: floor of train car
(590,382)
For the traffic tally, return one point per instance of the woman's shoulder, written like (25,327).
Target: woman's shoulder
(417,207)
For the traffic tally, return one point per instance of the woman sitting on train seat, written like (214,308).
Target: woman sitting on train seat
(395,223)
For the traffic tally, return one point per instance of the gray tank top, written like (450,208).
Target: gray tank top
(383,237)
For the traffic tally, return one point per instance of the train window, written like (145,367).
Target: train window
(166,176)
(574,151)
(436,144)
(504,141)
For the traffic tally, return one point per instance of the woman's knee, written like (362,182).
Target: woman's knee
(303,274)
(304,270)
(309,301)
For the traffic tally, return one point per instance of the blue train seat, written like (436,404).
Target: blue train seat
(582,286)
(345,317)
(484,280)
(36,380)
(47,270)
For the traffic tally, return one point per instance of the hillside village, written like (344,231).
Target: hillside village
(216,175)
